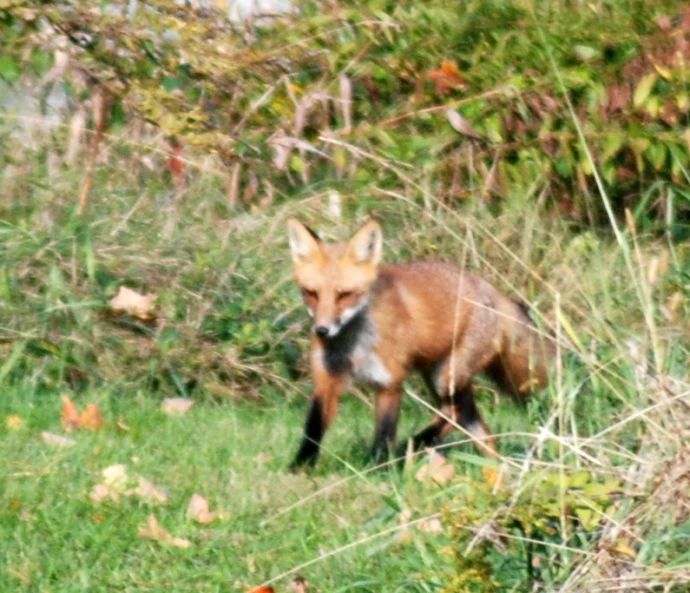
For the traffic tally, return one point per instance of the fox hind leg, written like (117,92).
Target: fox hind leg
(460,410)
(458,407)
(387,413)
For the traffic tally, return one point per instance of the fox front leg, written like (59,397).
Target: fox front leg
(323,406)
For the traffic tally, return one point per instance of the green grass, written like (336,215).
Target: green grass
(54,538)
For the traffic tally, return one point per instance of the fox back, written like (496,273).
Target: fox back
(376,324)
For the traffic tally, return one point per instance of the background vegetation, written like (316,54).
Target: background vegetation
(161,147)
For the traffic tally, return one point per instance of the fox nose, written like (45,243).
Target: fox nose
(321,331)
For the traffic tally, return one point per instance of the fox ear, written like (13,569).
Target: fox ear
(367,244)
(304,243)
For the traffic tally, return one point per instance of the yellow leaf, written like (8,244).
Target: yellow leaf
(623,547)
(492,477)
(664,71)
(14,422)
(643,89)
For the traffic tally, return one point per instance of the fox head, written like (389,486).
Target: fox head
(335,278)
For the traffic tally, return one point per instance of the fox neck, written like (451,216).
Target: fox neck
(338,350)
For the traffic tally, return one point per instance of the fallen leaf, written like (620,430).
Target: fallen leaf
(101,493)
(447,78)
(131,302)
(175,164)
(56,440)
(197,510)
(461,125)
(153,530)
(91,418)
(14,422)
(148,492)
(433,525)
(176,406)
(492,477)
(69,417)
(117,482)
(437,469)
(624,548)
(115,477)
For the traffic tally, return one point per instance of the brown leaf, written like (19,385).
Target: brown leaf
(447,78)
(91,418)
(433,525)
(461,125)
(197,510)
(175,164)
(148,492)
(176,406)
(101,493)
(131,302)
(153,530)
(437,469)
(69,417)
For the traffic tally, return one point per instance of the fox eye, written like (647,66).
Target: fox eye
(345,295)
(309,294)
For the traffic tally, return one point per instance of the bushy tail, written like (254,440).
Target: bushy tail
(522,365)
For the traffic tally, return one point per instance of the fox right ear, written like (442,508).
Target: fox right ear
(304,243)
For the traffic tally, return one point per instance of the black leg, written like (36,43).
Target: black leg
(430,434)
(387,413)
(313,433)
(384,438)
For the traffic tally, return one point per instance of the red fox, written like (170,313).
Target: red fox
(375,324)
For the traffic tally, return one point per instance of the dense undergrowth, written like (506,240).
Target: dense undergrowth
(468,100)
(335,116)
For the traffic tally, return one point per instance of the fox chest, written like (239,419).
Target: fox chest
(369,368)
(361,362)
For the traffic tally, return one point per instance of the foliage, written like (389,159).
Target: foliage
(452,99)
(505,538)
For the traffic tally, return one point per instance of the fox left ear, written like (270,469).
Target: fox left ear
(367,244)
(304,243)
